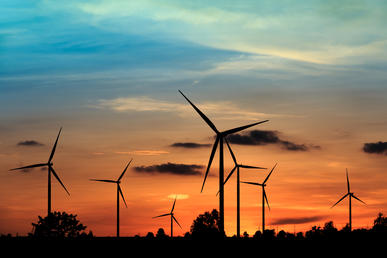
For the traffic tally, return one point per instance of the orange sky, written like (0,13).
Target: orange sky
(304,185)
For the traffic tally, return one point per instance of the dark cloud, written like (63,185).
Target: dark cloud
(189,145)
(29,143)
(28,170)
(263,137)
(301,220)
(171,168)
(375,147)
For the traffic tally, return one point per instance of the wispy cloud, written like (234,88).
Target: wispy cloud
(178,196)
(143,152)
(221,109)
(300,220)
(189,145)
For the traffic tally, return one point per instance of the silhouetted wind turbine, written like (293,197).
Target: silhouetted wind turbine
(119,192)
(172,217)
(236,167)
(50,169)
(264,196)
(219,140)
(351,195)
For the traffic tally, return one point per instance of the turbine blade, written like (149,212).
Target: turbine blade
(173,217)
(229,175)
(57,178)
(348,187)
(122,195)
(269,174)
(54,147)
(124,171)
(31,166)
(231,131)
(205,118)
(358,199)
(106,181)
(231,152)
(246,166)
(251,183)
(265,196)
(173,206)
(163,215)
(210,161)
(339,200)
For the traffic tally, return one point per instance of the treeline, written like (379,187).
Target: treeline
(205,226)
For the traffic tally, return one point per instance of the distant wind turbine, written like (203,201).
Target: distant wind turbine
(236,167)
(219,140)
(119,192)
(50,169)
(351,195)
(264,196)
(172,217)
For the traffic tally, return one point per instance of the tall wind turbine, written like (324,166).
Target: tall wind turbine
(172,217)
(351,195)
(50,170)
(219,140)
(236,167)
(264,197)
(119,192)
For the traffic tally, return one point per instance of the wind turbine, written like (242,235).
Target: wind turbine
(119,192)
(264,197)
(351,195)
(50,170)
(219,140)
(172,217)
(236,167)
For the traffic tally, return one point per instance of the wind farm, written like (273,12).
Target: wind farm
(114,112)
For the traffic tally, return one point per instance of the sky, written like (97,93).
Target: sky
(109,72)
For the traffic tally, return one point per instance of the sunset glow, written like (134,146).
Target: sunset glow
(109,72)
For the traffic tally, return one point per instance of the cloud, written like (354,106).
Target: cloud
(28,170)
(171,168)
(178,196)
(225,110)
(264,137)
(375,147)
(301,220)
(143,152)
(29,143)
(189,145)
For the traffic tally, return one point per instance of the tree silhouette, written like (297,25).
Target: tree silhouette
(59,225)
(380,223)
(161,234)
(206,225)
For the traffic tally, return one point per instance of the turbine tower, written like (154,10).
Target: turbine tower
(351,195)
(50,170)
(264,197)
(172,217)
(220,136)
(119,192)
(236,167)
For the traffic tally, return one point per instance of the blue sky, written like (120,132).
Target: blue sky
(76,58)
(75,55)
